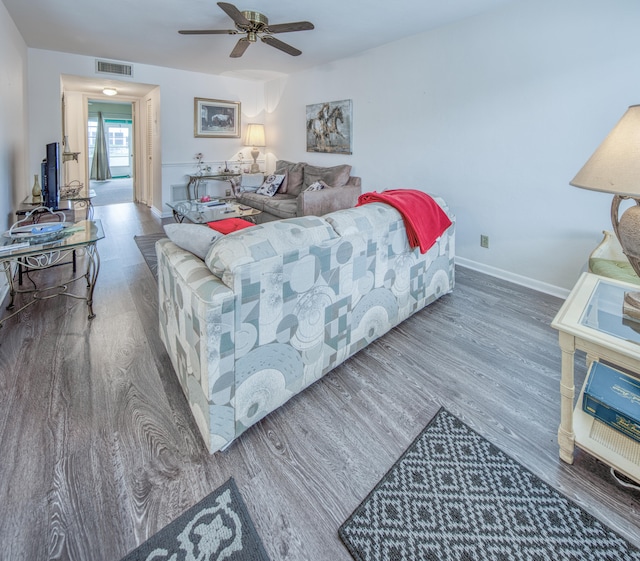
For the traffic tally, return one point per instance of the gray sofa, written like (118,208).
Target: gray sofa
(274,307)
(292,199)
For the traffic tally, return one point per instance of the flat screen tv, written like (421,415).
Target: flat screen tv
(51,176)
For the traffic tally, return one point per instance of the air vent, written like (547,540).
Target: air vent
(117,68)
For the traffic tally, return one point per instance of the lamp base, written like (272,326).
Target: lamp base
(631,306)
(255,168)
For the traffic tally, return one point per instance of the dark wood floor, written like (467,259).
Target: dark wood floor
(98,450)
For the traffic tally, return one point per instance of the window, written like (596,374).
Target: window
(118,134)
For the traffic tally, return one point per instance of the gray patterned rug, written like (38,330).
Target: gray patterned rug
(455,496)
(218,528)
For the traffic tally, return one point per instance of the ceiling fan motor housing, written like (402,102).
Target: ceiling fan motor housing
(258,20)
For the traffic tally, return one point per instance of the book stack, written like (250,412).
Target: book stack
(613,398)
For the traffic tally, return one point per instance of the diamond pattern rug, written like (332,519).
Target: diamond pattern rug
(455,496)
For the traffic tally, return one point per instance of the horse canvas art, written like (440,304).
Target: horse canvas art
(329,127)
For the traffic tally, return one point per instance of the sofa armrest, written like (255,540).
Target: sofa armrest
(319,203)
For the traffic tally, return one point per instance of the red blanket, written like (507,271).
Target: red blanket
(424,219)
(229,225)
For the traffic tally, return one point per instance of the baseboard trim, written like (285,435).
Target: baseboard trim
(512,277)
(158,213)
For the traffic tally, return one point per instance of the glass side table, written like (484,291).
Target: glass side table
(195,180)
(591,320)
(69,202)
(49,250)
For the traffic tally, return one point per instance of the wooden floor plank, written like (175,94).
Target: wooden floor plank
(99,450)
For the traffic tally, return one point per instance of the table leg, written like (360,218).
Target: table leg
(195,183)
(566,436)
(93,268)
(12,291)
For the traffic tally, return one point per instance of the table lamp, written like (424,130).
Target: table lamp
(255,138)
(615,168)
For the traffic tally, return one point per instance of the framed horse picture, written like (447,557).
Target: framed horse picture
(329,127)
(216,118)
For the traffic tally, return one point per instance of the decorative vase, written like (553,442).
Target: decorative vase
(36,192)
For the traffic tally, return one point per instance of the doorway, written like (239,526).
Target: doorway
(111,151)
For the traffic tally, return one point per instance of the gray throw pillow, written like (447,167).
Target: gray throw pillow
(295,174)
(195,238)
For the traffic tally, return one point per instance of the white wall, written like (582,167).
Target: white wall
(175,97)
(496,113)
(15,183)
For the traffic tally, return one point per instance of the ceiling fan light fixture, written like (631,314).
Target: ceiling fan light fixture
(109,91)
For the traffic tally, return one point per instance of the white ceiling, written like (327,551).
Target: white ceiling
(146,31)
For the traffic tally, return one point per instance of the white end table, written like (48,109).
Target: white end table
(591,320)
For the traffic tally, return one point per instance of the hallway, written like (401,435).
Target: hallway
(112,191)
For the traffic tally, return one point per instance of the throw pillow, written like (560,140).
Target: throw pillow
(317,186)
(336,176)
(192,238)
(270,185)
(295,175)
(229,225)
(251,181)
(284,186)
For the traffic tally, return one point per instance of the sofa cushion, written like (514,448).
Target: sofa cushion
(364,220)
(282,206)
(192,237)
(265,241)
(295,176)
(335,176)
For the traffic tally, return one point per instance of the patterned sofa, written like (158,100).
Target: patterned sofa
(275,307)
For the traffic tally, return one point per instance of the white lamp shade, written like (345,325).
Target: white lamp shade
(615,166)
(255,135)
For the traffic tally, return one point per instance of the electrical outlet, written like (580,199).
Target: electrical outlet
(227,193)
(484,241)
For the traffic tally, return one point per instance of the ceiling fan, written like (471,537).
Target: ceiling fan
(255,25)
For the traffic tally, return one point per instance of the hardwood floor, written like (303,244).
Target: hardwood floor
(98,449)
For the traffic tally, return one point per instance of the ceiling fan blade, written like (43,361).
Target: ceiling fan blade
(240,48)
(281,45)
(235,14)
(208,32)
(293,26)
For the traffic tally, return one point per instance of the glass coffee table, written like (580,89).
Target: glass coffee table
(201,213)
(591,320)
